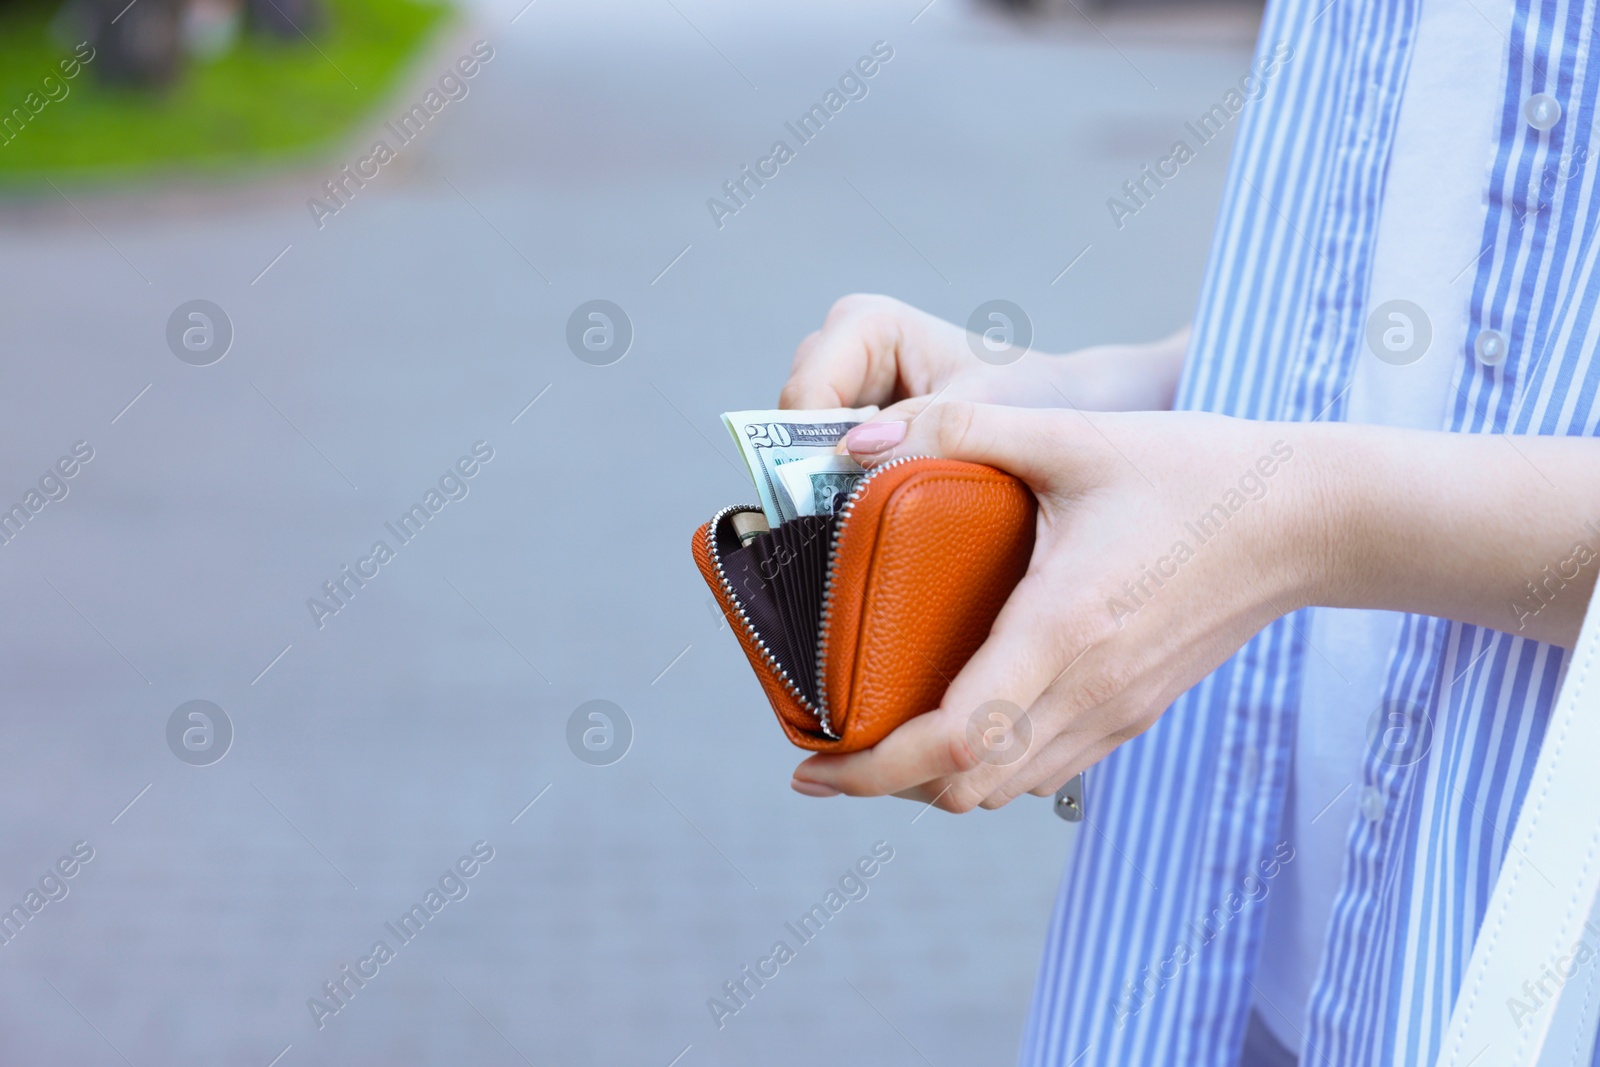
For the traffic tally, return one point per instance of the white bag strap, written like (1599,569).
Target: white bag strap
(1531,994)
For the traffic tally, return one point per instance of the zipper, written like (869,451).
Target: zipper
(842,518)
(819,708)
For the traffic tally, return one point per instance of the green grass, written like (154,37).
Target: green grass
(264,102)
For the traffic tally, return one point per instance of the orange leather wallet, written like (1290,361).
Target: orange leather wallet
(857,622)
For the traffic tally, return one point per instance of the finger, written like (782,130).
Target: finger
(1037,645)
(919,751)
(1094,730)
(926,795)
(1021,658)
(852,361)
(1057,764)
(875,440)
(940,793)
(879,442)
(1052,783)
(1038,446)
(1049,758)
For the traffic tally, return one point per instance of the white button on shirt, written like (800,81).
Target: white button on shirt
(1542,111)
(1490,347)
(1372,804)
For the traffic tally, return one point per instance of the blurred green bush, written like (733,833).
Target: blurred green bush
(241,100)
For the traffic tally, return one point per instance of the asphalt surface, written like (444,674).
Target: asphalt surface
(374,745)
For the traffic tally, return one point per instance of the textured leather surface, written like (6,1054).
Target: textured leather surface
(930,552)
(929,556)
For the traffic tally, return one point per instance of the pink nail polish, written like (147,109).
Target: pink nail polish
(872,437)
(812,789)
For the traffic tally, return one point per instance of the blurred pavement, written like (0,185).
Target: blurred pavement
(433,707)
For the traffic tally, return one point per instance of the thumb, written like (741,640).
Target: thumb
(1031,443)
(887,429)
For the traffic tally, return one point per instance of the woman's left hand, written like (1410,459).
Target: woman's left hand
(1164,542)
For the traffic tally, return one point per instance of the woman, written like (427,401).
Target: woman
(1308,627)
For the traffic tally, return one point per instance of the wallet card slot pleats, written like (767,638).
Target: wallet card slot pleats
(778,580)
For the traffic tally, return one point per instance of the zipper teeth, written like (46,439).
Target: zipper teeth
(819,708)
(843,520)
(744,617)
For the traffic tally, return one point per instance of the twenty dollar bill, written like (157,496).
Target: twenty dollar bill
(769,440)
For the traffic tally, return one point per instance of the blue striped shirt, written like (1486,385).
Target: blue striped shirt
(1154,942)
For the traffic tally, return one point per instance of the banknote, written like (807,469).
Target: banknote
(769,440)
(819,485)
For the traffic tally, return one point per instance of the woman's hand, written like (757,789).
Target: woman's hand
(877,350)
(1166,540)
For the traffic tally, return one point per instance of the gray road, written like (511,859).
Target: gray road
(372,752)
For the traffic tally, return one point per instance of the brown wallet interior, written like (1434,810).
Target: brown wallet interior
(779,578)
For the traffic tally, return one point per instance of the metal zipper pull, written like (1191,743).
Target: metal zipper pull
(1069,800)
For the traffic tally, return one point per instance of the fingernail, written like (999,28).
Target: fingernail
(812,789)
(872,437)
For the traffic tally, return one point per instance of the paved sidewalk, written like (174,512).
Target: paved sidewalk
(427,314)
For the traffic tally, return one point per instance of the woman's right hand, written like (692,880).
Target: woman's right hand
(877,350)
